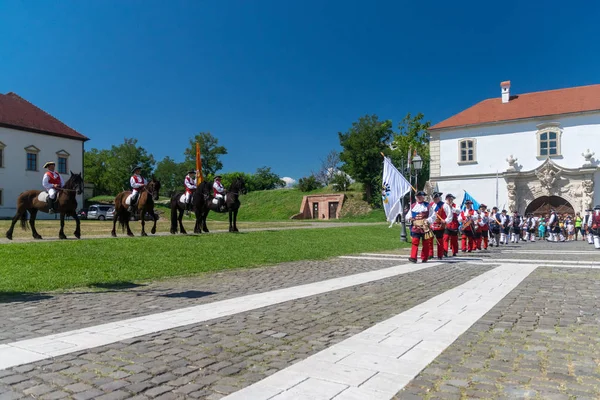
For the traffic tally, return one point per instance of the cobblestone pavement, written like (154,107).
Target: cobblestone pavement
(39,315)
(215,358)
(541,341)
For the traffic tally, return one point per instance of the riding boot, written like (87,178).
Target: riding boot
(51,205)
(188,208)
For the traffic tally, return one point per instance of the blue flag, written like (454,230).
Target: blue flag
(469,197)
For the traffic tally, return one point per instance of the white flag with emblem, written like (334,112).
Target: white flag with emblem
(395,186)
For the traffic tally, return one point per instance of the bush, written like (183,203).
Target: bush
(308,184)
(340,182)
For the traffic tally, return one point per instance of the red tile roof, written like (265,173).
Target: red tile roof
(528,105)
(18,113)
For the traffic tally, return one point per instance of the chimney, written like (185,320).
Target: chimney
(505,91)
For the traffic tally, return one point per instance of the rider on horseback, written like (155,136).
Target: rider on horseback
(190,188)
(52,182)
(137,185)
(219,192)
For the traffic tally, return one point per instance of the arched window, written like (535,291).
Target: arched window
(467,151)
(548,138)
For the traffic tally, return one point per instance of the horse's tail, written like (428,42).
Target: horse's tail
(174,210)
(24,221)
(123,219)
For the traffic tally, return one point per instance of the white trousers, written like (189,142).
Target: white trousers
(188,196)
(52,193)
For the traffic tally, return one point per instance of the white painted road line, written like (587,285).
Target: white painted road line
(30,350)
(380,361)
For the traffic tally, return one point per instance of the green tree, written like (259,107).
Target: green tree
(412,134)
(308,184)
(122,159)
(95,171)
(210,152)
(171,175)
(362,145)
(264,179)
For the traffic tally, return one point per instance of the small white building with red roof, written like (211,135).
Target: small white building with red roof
(29,137)
(534,151)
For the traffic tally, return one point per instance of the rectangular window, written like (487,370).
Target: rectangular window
(548,144)
(466,151)
(32,162)
(62,165)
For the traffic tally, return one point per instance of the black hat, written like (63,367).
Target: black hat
(597,207)
(437,194)
(218,177)
(191,172)
(450,195)
(482,205)
(420,193)
(136,167)
(494,208)
(504,211)
(469,202)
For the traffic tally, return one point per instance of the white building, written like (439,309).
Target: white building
(28,138)
(532,151)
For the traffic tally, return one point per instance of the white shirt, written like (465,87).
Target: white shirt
(446,209)
(46,183)
(218,186)
(450,212)
(419,208)
(135,184)
(190,182)
(474,217)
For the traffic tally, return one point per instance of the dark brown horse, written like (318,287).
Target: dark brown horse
(198,200)
(232,203)
(66,205)
(145,204)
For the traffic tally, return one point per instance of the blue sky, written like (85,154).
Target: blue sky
(275,81)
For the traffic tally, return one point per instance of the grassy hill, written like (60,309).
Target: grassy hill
(281,204)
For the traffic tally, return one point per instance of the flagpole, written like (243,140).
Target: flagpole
(496,188)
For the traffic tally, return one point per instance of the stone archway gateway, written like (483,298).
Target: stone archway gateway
(544,204)
(574,186)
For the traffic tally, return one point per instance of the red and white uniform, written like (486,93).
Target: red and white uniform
(484,228)
(50,179)
(440,209)
(218,189)
(419,211)
(137,182)
(467,239)
(451,232)
(190,187)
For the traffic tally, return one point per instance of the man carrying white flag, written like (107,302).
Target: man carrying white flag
(395,186)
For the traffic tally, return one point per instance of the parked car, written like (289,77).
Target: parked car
(98,212)
(110,214)
(82,214)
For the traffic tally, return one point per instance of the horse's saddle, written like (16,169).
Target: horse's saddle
(43,197)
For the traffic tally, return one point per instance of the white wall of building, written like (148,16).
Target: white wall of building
(482,190)
(494,143)
(14,177)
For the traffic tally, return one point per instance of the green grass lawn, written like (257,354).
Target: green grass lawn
(44,266)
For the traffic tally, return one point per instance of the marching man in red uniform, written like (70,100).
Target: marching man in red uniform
(137,185)
(437,222)
(190,187)
(468,218)
(483,227)
(52,182)
(451,231)
(418,217)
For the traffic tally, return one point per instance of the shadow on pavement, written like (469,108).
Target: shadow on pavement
(22,297)
(189,294)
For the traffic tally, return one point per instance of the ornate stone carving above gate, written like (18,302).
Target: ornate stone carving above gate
(549,179)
